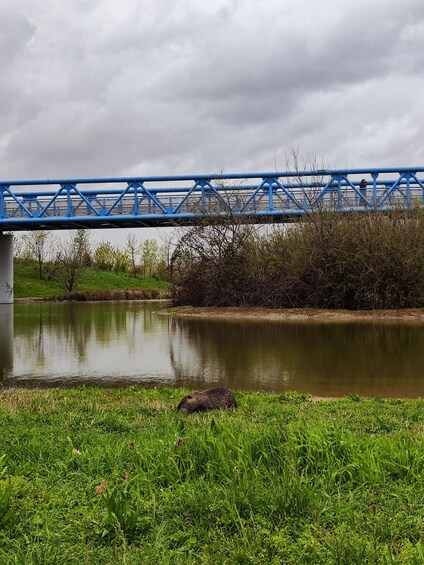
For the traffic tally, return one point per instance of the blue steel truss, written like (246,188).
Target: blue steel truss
(167,201)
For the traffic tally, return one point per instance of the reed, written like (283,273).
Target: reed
(117,294)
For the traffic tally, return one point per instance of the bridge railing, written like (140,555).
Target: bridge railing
(143,201)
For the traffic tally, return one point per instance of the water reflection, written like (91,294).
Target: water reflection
(101,343)
(322,359)
(6,340)
(127,342)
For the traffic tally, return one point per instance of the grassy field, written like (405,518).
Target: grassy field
(27,283)
(102,476)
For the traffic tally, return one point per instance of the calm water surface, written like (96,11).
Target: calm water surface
(122,343)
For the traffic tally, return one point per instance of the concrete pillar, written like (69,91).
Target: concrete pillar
(6,340)
(6,269)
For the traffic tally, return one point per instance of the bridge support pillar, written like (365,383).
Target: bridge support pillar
(6,269)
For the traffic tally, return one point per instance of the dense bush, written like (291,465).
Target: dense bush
(354,261)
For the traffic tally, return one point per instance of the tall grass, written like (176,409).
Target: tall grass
(118,476)
(117,294)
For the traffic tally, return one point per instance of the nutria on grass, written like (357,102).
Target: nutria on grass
(217,398)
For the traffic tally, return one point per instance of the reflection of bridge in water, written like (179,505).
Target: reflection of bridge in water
(166,201)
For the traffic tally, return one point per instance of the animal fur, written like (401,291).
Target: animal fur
(217,398)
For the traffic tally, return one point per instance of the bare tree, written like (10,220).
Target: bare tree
(165,255)
(211,262)
(309,187)
(18,246)
(36,245)
(71,260)
(133,249)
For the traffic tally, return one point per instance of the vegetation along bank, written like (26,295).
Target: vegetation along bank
(118,476)
(356,261)
(74,269)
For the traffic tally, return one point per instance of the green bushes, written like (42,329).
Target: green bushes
(353,261)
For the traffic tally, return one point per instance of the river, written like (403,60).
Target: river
(128,343)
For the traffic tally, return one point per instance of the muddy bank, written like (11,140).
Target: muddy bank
(415,315)
(27,299)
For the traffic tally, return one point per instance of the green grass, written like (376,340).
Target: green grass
(117,476)
(27,283)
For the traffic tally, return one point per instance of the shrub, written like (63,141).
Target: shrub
(329,260)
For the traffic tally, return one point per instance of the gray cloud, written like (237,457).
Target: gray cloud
(142,87)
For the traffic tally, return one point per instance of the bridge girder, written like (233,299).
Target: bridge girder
(166,201)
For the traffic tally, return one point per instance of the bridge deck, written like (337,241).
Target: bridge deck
(165,201)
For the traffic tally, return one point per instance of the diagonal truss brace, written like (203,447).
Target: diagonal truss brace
(326,188)
(407,176)
(289,194)
(153,198)
(5,189)
(272,184)
(200,184)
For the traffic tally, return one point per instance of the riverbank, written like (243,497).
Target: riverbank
(297,314)
(117,476)
(95,284)
(99,296)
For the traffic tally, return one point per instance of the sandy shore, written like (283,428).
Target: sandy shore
(415,315)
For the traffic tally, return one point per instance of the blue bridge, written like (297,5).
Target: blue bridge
(182,200)
(171,200)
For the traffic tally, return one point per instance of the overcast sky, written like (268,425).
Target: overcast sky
(151,87)
(139,87)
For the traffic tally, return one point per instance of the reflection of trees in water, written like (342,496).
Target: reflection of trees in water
(42,326)
(74,326)
(276,356)
(29,317)
(389,349)
(217,352)
(108,320)
(123,319)
(6,340)
(186,363)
